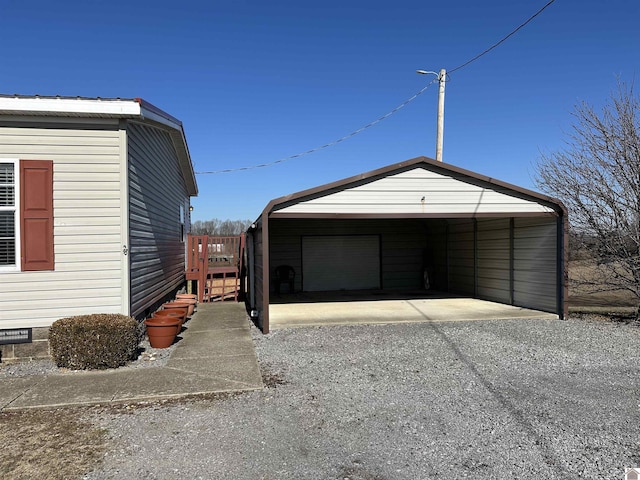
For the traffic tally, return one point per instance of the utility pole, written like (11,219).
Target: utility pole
(442,78)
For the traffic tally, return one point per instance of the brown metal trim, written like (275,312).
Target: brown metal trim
(563,288)
(266,275)
(158,111)
(352,216)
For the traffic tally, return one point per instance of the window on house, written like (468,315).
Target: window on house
(182,232)
(8,215)
(26,215)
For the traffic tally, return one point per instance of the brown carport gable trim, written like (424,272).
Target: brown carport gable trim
(431,164)
(353,216)
(271,211)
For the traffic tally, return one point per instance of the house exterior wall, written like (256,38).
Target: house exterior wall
(87,216)
(156,234)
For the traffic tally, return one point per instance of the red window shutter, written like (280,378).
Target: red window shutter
(36,214)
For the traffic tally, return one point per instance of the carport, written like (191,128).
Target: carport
(415,230)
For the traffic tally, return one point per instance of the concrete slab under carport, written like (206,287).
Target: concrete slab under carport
(341,308)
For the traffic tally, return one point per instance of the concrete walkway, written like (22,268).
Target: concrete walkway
(215,354)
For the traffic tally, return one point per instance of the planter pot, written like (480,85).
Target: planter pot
(161,331)
(186,296)
(192,302)
(168,315)
(177,306)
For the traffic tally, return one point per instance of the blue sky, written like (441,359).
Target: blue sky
(256,81)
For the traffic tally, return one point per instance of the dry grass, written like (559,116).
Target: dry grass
(616,305)
(48,444)
(580,296)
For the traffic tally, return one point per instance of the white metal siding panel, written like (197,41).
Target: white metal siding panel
(535,263)
(461,256)
(156,191)
(340,262)
(87,244)
(493,260)
(404,193)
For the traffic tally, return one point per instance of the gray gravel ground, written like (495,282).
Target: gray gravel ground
(543,399)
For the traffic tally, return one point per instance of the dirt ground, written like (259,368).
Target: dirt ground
(51,444)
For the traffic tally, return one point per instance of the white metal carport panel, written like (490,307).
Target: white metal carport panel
(461,256)
(535,263)
(340,262)
(493,265)
(417,191)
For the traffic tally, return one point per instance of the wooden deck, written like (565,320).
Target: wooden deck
(216,265)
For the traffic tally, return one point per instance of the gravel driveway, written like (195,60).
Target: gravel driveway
(541,399)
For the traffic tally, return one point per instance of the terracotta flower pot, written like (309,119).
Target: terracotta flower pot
(192,302)
(170,315)
(179,306)
(161,331)
(186,296)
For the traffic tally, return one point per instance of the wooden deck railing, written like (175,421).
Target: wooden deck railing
(216,264)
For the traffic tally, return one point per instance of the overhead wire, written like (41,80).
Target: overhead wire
(390,113)
(502,40)
(327,145)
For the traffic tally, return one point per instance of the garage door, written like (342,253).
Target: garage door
(340,262)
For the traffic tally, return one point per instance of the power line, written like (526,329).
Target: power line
(387,115)
(331,144)
(513,32)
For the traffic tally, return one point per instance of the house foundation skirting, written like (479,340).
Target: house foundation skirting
(24,352)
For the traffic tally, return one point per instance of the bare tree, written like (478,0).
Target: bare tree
(597,176)
(216,227)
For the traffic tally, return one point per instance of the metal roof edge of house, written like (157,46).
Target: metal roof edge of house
(86,107)
(153,113)
(69,106)
(434,164)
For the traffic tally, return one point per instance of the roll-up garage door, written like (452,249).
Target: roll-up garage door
(340,262)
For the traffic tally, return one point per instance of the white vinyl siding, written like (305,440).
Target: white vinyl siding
(87,213)
(340,262)
(417,191)
(156,195)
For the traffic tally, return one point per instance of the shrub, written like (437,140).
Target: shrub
(97,341)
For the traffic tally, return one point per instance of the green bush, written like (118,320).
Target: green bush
(98,341)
